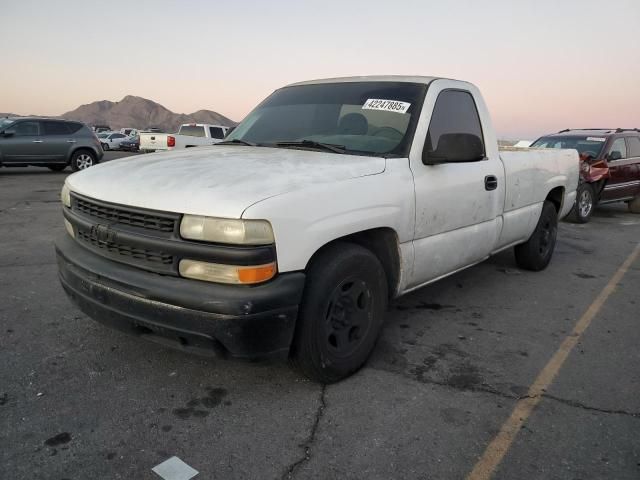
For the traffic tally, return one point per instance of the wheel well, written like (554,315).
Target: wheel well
(556,196)
(383,243)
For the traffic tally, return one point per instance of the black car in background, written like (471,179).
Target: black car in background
(52,143)
(131,144)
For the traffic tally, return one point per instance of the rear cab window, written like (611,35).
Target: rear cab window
(192,131)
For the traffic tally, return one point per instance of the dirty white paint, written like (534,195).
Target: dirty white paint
(443,216)
(174,469)
(217,181)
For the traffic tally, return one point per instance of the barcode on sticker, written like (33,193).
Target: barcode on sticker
(386,105)
(596,139)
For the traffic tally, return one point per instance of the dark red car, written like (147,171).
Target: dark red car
(609,166)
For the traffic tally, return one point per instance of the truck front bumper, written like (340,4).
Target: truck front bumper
(202,317)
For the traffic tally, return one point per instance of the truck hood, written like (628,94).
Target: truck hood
(216,181)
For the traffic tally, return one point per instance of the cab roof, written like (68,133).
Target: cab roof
(371,78)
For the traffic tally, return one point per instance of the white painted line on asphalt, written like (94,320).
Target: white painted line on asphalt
(175,469)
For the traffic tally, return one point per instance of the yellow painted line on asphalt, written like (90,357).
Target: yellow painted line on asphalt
(496,450)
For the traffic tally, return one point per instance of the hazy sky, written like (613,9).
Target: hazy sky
(542,65)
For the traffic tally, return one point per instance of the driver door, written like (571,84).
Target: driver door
(458,204)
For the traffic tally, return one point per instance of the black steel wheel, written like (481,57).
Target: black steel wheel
(535,254)
(341,314)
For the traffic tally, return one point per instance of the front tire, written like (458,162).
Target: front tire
(535,254)
(341,314)
(105,147)
(585,203)
(82,160)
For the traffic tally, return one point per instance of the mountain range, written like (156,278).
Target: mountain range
(141,113)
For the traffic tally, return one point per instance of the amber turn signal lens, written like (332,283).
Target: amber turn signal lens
(257,274)
(213,272)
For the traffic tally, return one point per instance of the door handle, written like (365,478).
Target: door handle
(490,182)
(71,141)
(37,141)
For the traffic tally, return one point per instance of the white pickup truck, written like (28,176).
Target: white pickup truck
(189,135)
(289,238)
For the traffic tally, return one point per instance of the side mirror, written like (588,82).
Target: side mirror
(8,133)
(229,130)
(455,147)
(615,155)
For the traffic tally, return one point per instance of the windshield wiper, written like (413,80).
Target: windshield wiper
(312,144)
(237,141)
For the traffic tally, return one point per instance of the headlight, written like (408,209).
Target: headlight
(65,196)
(214,272)
(224,230)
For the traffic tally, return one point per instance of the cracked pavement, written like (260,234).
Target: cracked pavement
(80,401)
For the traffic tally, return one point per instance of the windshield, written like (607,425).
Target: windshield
(365,118)
(103,135)
(5,122)
(589,145)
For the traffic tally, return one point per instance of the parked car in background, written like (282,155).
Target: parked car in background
(131,144)
(101,128)
(111,140)
(129,132)
(609,166)
(189,135)
(289,238)
(51,143)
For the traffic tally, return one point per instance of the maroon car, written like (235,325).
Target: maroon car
(609,166)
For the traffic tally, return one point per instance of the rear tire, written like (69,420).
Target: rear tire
(634,205)
(584,205)
(56,168)
(535,254)
(82,159)
(341,313)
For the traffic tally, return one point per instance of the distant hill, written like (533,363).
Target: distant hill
(138,112)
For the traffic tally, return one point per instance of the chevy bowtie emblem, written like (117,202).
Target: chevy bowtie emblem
(103,234)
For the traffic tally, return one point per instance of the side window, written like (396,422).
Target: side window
(216,132)
(27,129)
(634,146)
(55,128)
(455,132)
(74,127)
(117,135)
(620,147)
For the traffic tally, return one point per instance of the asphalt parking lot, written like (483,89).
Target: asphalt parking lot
(80,401)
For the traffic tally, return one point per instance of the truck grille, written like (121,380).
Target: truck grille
(125,216)
(135,254)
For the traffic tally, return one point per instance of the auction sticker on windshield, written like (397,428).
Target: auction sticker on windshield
(596,139)
(386,105)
